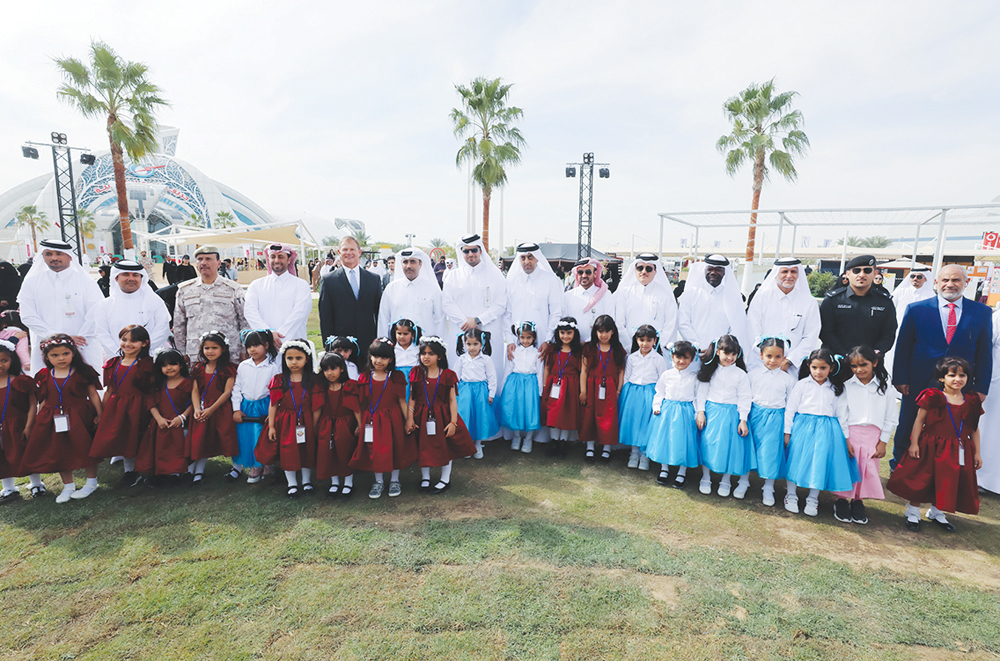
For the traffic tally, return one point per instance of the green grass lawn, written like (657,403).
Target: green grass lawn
(525,557)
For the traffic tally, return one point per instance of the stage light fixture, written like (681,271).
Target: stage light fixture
(58,138)
(570,172)
(29,152)
(604,173)
(87,159)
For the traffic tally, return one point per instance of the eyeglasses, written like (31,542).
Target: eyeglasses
(470,251)
(917,276)
(858,269)
(648,268)
(587,272)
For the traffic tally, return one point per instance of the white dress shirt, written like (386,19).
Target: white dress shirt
(644,370)
(945,311)
(778,314)
(771,387)
(252,379)
(417,300)
(577,298)
(281,303)
(144,308)
(701,317)
(352,370)
(408,357)
(537,297)
(676,386)
(651,305)
(526,362)
(815,399)
(480,368)
(729,385)
(865,406)
(479,291)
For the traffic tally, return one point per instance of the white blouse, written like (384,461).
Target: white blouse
(676,386)
(480,368)
(644,370)
(252,379)
(814,399)
(408,357)
(352,370)
(865,406)
(729,385)
(771,387)
(526,362)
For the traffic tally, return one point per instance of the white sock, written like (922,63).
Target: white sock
(745,480)
(769,485)
(479,446)
(395,476)
(292,478)
(635,452)
(199,466)
(682,471)
(425,473)
(69,486)
(642,455)
(335,481)
(727,478)
(91,482)
(36,479)
(590,445)
(8,484)
(349,481)
(238,467)
(446,472)
(935,513)
(129,465)
(791,488)
(912,513)
(191,467)
(307,475)
(378,478)
(813,494)
(706,475)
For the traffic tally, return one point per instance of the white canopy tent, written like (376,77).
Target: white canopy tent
(231,237)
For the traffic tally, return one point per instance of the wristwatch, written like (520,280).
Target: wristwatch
(478,322)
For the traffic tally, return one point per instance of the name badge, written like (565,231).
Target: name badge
(369,433)
(431,426)
(61,423)
(601,392)
(961,454)
(554,391)
(300,434)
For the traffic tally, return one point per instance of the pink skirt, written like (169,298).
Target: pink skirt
(864,440)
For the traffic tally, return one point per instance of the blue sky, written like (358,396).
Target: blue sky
(341,109)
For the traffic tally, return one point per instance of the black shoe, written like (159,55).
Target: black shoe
(293,492)
(912,526)
(197,479)
(678,482)
(552,448)
(858,514)
(39,491)
(588,456)
(563,449)
(130,479)
(606,456)
(842,510)
(153,481)
(333,491)
(233,474)
(307,488)
(425,486)
(945,525)
(345,492)
(10,497)
(440,487)
(663,479)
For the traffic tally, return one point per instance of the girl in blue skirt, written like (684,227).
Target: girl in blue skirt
(723,405)
(251,400)
(674,435)
(643,368)
(520,399)
(819,456)
(771,387)
(405,335)
(477,385)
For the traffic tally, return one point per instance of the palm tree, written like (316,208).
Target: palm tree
(439,243)
(195,220)
(85,220)
(361,237)
(224,219)
(867,242)
(494,141)
(119,91)
(759,118)
(30,215)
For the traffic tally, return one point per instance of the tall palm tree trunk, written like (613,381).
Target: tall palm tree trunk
(487,192)
(758,183)
(119,166)
(34,239)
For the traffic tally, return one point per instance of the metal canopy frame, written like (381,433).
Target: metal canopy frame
(917,217)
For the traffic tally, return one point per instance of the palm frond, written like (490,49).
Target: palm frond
(781,162)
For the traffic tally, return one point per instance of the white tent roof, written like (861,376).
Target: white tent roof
(236,236)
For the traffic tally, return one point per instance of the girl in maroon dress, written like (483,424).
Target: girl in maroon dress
(940,466)
(16,422)
(213,432)
(384,444)
(337,418)
(432,415)
(162,449)
(129,381)
(600,384)
(290,437)
(67,418)
(561,395)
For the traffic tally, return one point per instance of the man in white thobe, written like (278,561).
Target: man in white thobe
(590,298)
(55,297)
(132,302)
(280,301)
(534,293)
(413,294)
(784,306)
(712,306)
(915,288)
(645,297)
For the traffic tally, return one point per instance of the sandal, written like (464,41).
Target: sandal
(333,491)
(425,486)
(606,456)
(589,456)
(233,474)
(293,492)
(197,479)
(39,491)
(307,488)
(345,492)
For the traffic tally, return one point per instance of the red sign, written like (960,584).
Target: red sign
(991,240)
(102,189)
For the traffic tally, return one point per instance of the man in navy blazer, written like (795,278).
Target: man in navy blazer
(349,298)
(923,341)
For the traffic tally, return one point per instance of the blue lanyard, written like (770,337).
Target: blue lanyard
(6,398)
(171,399)
(562,365)
(430,402)
(56,381)
(214,374)
(958,427)
(298,407)
(371,385)
(118,382)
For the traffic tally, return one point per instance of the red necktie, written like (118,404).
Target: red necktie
(952,322)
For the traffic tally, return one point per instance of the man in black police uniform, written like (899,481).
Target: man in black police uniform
(858,313)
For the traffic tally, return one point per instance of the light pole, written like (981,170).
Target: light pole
(583,247)
(410,238)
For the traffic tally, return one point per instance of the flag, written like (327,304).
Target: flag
(684,243)
(805,242)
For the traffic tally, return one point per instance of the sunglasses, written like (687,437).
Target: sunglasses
(858,269)
(587,272)
(917,276)
(648,268)
(470,251)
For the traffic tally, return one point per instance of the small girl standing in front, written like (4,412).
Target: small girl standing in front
(347,348)
(478,377)
(162,450)
(819,456)
(940,466)
(771,387)
(673,437)
(384,444)
(635,405)
(16,421)
(519,401)
(723,404)
(871,419)
(337,418)
(432,416)
(128,379)
(67,417)
(213,432)
(251,400)
(405,334)
(561,396)
(290,438)
(601,382)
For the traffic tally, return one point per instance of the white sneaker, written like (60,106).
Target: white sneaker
(741,491)
(725,487)
(479,454)
(705,486)
(644,463)
(65,495)
(768,497)
(792,504)
(526,446)
(515,443)
(812,507)
(633,461)
(83,492)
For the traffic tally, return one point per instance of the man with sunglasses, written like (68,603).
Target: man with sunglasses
(915,287)
(712,305)
(281,301)
(859,313)
(534,293)
(590,298)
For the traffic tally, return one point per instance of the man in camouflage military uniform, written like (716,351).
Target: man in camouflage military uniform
(208,303)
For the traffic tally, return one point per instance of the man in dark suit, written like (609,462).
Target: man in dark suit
(946,325)
(349,298)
